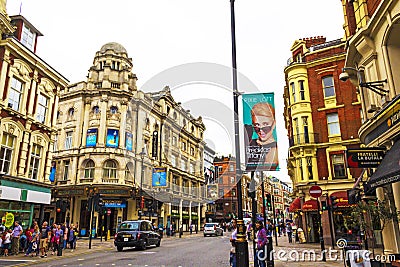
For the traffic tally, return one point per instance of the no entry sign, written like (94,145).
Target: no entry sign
(315,191)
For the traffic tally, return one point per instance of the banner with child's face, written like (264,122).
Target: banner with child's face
(260,139)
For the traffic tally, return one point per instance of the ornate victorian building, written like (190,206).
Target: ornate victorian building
(115,140)
(29,90)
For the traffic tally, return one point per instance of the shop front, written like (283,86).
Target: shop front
(311,216)
(22,202)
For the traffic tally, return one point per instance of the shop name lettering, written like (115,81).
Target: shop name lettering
(365,156)
(255,152)
(258,99)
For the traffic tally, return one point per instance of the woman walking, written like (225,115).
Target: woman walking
(71,237)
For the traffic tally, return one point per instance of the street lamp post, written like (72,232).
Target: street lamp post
(142,154)
(242,249)
(90,193)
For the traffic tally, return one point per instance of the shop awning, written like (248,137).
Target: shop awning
(295,205)
(310,205)
(343,200)
(388,171)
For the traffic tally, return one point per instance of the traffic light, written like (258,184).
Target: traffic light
(98,202)
(324,206)
(334,202)
(58,205)
(142,203)
(269,201)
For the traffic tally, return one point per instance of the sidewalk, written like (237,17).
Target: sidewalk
(82,248)
(291,254)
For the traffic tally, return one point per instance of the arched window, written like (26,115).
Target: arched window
(71,112)
(113,110)
(110,169)
(89,169)
(96,110)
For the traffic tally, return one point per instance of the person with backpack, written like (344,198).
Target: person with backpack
(33,242)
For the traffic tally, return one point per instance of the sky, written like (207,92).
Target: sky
(186,45)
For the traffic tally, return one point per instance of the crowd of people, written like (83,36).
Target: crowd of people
(263,236)
(37,240)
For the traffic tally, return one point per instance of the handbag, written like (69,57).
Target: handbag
(34,246)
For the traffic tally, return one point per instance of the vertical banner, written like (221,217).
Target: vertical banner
(128,141)
(261,150)
(159,177)
(91,137)
(112,138)
(154,146)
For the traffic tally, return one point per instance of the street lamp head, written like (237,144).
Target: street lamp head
(143,153)
(344,76)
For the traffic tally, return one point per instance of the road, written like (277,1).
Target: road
(193,251)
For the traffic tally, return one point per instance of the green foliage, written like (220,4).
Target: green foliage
(373,214)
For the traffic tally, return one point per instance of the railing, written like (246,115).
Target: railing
(85,180)
(302,139)
(110,180)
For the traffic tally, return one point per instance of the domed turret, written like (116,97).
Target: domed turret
(116,47)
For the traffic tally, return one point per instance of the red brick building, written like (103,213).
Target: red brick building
(322,116)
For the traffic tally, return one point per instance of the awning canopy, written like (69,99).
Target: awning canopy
(295,205)
(389,170)
(310,205)
(343,200)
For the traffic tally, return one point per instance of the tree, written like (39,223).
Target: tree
(373,215)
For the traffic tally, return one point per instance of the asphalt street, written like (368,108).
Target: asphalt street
(190,250)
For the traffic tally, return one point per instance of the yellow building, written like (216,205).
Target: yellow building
(372,64)
(29,90)
(110,138)
(322,117)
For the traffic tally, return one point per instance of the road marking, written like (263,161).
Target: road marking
(81,259)
(148,252)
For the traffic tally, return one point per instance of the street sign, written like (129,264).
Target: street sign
(315,191)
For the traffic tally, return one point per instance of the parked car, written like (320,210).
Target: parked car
(139,234)
(213,229)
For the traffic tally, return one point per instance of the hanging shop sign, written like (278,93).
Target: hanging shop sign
(370,157)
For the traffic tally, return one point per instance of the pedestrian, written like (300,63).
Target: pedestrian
(44,239)
(232,252)
(248,230)
(7,242)
(191,229)
(76,233)
(262,241)
(16,234)
(57,241)
(71,237)
(65,238)
(289,231)
(33,243)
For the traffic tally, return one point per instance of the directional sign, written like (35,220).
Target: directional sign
(315,191)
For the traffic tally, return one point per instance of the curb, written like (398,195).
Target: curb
(65,256)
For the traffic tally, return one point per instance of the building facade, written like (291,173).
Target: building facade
(372,30)
(29,94)
(322,116)
(117,141)
(227,199)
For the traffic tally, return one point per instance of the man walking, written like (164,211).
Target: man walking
(16,233)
